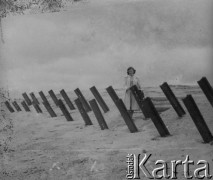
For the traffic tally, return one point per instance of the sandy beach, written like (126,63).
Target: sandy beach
(42,147)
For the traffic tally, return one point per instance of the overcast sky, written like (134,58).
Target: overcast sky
(94,43)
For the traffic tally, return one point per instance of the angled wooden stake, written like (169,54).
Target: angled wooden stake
(67,99)
(101,121)
(112,94)
(126,116)
(207,89)
(17,107)
(83,100)
(25,106)
(172,99)
(53,96)
(9,107)
(156,119)
(27,99)
(49,109)
(43,97)
(64,110)
(83,112)
(198,119)
(99,99)
(35,100)
(137,95)
(37,108)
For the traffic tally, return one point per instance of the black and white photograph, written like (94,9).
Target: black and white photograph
(106,89)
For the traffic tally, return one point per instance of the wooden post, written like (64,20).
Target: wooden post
(67,99)
(172,99)
(43,97)
(35,100)
(139,99)
(99,99)
(126,116)
(17,107)
(98,114)
(112,94)
(9,107)
(49,109)
(27,109)
(27,99)
(37,108)
(83,112)
(207,89)
(53,96)
(198,119)
(83,100)
(156,119)
(64,110)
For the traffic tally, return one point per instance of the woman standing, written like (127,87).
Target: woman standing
(129,99)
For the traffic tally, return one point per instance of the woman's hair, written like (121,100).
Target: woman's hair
(132,69)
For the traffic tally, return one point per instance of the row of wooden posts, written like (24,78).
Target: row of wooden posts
(146,105)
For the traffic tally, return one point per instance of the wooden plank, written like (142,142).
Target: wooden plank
(139,99)
(37,108)
(99,99)
(53,96)
(83,112)
(49,109)
(198,119)
(9,107)
(122,109)
(207,89)
(126,116)
(101,121)
(67,99)
(43,97)
(172,99)
(83,100)
(112,94)
(17,107)
(35,100)
(26,108)
(156,119)
(27,99)
(64,110)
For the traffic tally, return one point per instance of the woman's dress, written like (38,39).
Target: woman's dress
(129,100)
